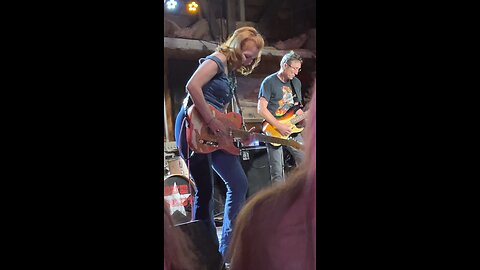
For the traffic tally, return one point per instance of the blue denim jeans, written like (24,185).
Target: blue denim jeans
(229,168)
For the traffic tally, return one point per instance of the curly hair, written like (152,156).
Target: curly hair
(232,48)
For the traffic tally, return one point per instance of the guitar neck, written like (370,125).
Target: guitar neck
(298,118)
(261,137)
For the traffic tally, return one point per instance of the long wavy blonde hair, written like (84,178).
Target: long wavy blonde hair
(232,49)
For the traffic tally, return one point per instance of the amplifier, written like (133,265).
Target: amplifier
(255,163)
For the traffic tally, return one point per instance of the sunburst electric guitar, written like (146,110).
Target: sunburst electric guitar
(288,118)
(201,139)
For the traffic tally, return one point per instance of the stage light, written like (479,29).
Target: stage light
(192,7)
(171,4)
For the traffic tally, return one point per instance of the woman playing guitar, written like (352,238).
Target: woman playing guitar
(212,85)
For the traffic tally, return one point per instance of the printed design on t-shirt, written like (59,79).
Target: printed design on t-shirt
(286,102)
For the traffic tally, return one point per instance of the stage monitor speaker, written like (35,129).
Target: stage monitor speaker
(205,246)
(257,168)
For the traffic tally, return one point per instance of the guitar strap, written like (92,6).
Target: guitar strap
(187,102)
(189,153)
(235,96)
(296,100)
(295,95)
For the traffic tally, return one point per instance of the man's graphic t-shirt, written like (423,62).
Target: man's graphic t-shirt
(278,94)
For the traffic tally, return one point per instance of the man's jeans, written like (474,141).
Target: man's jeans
(275,157)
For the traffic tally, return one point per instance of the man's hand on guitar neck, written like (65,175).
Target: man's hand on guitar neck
(301,123)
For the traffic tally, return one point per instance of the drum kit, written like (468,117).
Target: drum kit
(179,190)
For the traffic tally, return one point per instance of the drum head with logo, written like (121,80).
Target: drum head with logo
(178,193)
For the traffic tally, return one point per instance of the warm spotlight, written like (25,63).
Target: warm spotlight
(192,7)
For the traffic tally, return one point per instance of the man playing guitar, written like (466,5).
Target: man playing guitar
(279,93)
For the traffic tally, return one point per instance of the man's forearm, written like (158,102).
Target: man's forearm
(265,113)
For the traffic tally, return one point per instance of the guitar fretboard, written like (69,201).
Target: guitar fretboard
(298,118)
(264,138)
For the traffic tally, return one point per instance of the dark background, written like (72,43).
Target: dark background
(84,135)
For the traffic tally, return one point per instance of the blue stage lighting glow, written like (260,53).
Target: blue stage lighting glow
(171,4)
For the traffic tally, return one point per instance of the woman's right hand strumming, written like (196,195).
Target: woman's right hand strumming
(217,127)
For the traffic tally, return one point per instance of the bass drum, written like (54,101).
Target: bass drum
(178,192)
